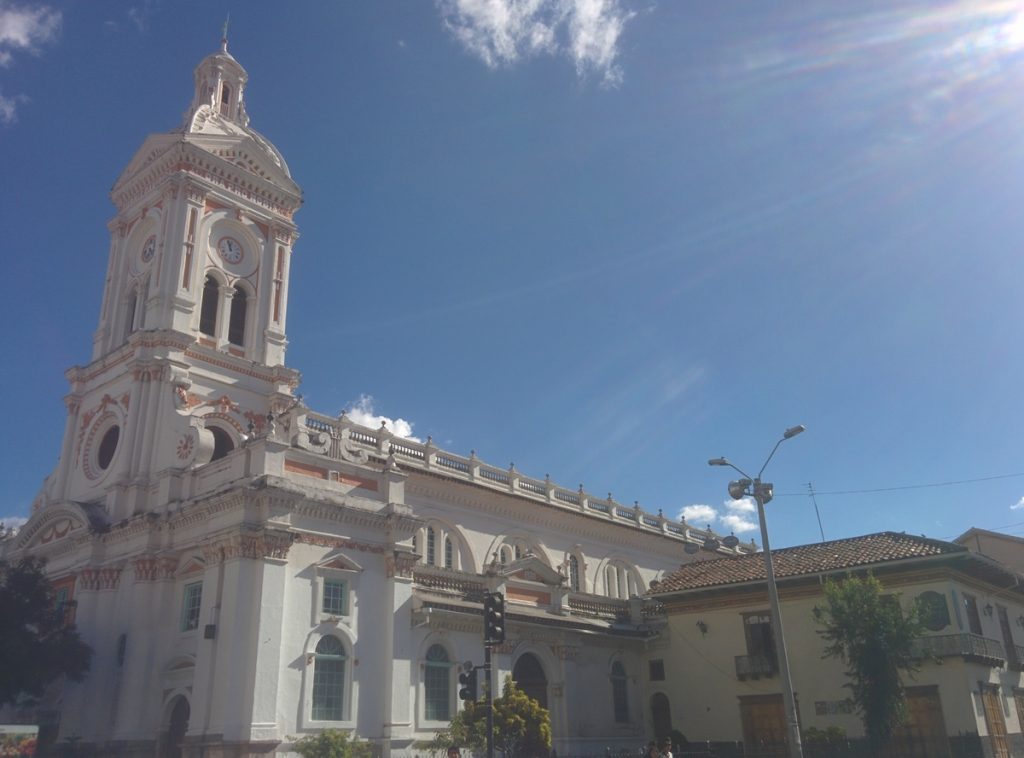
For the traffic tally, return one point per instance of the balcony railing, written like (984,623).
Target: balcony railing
(972,647)
(755,666)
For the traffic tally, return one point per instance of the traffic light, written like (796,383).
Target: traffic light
(494,617)
(467,685)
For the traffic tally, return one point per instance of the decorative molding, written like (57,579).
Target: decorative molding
(256,546)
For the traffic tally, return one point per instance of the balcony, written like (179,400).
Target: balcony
(755,666)
(972,647)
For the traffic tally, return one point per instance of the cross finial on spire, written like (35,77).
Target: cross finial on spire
(224,34)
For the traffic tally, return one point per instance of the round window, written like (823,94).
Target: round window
(108,446)
(934,612)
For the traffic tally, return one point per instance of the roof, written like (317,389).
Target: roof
(822,557)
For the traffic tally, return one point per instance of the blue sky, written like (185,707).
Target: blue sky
(604,239)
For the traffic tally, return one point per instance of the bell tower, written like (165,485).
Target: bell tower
(188,357)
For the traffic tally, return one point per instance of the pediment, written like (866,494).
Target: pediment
(52,524)
(336,560)
(193,565)
(152,149)
(529,568)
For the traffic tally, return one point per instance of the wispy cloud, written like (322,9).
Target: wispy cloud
(1018,505)
(734,515)
(23,30)
(363,412)
(503,32)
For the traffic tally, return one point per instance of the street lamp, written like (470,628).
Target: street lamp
(762,493)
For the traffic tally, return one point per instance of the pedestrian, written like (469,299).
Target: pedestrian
(665,748)
(453,752)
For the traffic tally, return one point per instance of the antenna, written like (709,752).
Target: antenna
(810,490)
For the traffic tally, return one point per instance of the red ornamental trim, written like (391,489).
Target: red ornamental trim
(338,542)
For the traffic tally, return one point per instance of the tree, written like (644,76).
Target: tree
(874,637)
(38,644)
(521,725)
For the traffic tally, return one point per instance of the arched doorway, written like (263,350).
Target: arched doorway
(661,715)
(177,726)
(529,675)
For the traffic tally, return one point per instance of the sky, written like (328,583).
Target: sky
(605,240)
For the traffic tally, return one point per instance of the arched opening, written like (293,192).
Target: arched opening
(225,100)
(574,573)
(620,693)
(176,728)
(437,684)
(129,315)
(222,443)
(108,446)
(236,322)
(208,308)
(329,680)
(529,675)
(661,715)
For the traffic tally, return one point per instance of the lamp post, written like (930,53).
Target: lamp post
(762,493)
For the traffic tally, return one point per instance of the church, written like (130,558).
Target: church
(249,571)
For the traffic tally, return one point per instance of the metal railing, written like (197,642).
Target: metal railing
(755,666)
(966,645)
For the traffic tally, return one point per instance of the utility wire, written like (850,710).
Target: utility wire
(902,487)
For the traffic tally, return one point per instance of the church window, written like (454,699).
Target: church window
(236,322)
(620,693)
(448,553)
(222,443)
(518,550)
(107,448)
(414,541)
(329,680)
(574,573)
(208,308)
(335,599)
(431,539)
(129,314)
(191,602)
(437,684)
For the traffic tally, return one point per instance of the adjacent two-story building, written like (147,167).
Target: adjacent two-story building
(714,671)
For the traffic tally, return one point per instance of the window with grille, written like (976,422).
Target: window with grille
(191,603)
(431,547)
(329,680)
(449,556)
(574,573)
(335,601)
(437,684)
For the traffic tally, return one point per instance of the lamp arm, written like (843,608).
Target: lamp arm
(768,459)
(737,468)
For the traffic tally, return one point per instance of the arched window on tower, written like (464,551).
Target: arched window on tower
(225,100)
(129,314)
(431,545)
(208,308)
(236,323)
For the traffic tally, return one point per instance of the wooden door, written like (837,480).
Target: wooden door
(923,735)
(995,722)
(764,726)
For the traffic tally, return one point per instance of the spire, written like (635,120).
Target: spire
(224,34)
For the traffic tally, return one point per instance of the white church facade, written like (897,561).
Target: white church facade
(248,571)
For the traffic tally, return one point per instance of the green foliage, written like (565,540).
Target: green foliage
(834,735)
(521,726)
(38,646)
(869,632)
(332,743)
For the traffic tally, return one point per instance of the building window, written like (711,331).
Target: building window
(449,557)
(107,448)
(656,670)
(222,443)
(329,680)
(335,599)
(437,684)
(208,307)
(934,611)
(225,100)
(236,321)
(574,573)
(620,694)
(757,628)
(191,602)
(431,545)
(129,316)
(973,619)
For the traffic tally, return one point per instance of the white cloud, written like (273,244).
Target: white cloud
(1018,505)
(362,412)
(13,522)
(737,522)
(25,29)
(699,514)
(502,32)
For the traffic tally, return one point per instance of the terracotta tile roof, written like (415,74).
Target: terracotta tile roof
(854,552)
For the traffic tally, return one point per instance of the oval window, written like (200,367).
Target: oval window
(108,446)
(934,611)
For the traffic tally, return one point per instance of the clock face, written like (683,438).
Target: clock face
(148,249)
(230,250)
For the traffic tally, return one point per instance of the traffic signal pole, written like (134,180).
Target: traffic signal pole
(490,700)
(494,632)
